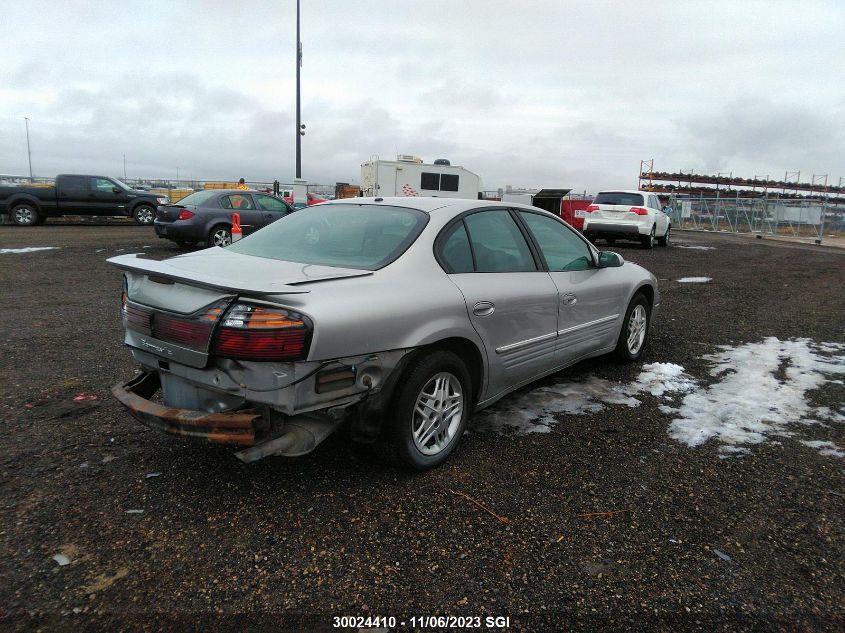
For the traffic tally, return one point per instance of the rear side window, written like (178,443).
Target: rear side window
(455,253)
(619,197)
(498,243)
(74,183)
(237,201)
(562,249)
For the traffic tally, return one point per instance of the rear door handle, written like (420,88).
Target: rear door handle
(483,308)
(569,299)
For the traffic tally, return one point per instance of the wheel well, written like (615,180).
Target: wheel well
(648,291)
(470,354)
(20,201)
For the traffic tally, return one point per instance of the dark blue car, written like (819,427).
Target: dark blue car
(206,216)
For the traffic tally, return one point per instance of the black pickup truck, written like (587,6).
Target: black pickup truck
(73,194)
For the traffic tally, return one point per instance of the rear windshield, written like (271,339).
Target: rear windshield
(198,197)
(364,236)
(619,197)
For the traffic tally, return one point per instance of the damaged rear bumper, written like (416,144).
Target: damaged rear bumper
(237,428)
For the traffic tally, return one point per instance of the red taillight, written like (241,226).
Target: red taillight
(252,332)
(136,318)
(592,207)
(184,214)
(192,331)
(188,332)
(639,210)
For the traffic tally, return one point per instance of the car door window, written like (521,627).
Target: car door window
(562,249)
(269,203)
(497,243)
(237,202)
(102,184)
(455,254)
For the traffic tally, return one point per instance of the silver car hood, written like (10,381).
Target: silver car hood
(228,271)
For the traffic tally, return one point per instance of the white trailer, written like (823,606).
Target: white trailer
(409,176)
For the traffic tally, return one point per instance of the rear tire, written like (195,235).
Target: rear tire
(429,412)
(144,214)
(26,215)
(635,327)
(220,235)
(664,241)
(648,242)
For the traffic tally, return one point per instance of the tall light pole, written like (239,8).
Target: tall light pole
(28,151)
(299,127)
(124,168)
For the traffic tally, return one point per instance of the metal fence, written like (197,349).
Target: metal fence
(796,218)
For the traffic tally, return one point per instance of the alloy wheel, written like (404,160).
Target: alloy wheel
(637,324)
(144,215)
(24,216)
(221,237)
(437,413)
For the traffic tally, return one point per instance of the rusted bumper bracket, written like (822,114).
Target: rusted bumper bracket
(219,428)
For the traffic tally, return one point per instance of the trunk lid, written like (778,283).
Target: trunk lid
(229,272)
(170,212)
(174,305)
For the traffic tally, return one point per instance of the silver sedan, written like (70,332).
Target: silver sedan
(400,316)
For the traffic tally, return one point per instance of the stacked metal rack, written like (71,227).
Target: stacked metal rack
(723,202)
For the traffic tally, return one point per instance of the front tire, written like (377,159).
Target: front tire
(664,241)
(144,214)
(26,215)
(220,235)
(429,413)
(635,327)
(648,242)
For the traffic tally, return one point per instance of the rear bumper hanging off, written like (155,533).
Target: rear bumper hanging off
(234,428)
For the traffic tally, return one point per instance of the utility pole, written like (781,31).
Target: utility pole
(300,129)
(28,151)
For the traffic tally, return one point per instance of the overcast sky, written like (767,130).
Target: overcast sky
(557,94)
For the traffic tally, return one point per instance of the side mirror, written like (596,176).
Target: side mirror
(115,189)
(609,259)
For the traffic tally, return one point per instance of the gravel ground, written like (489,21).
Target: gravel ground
(289,543)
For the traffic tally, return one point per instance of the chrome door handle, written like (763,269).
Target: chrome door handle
(569,299)
(483,308)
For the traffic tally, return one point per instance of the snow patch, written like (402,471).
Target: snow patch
(27,249)
(694,280)
(828,449)
(761,390)
(661,378)
(751,401)
(696,248)
(535,411)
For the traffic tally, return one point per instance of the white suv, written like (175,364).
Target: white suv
(628,215)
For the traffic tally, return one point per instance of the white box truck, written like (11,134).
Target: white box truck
(409,176)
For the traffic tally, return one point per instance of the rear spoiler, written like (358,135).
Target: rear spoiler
(133,262)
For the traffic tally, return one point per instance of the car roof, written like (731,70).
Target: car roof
(624,191)
(237,191)
(428,204)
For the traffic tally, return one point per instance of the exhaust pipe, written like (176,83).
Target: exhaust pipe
(301,436)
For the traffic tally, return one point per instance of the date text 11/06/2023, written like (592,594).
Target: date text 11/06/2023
(422,621)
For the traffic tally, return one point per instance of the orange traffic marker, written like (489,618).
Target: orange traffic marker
(236,227)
